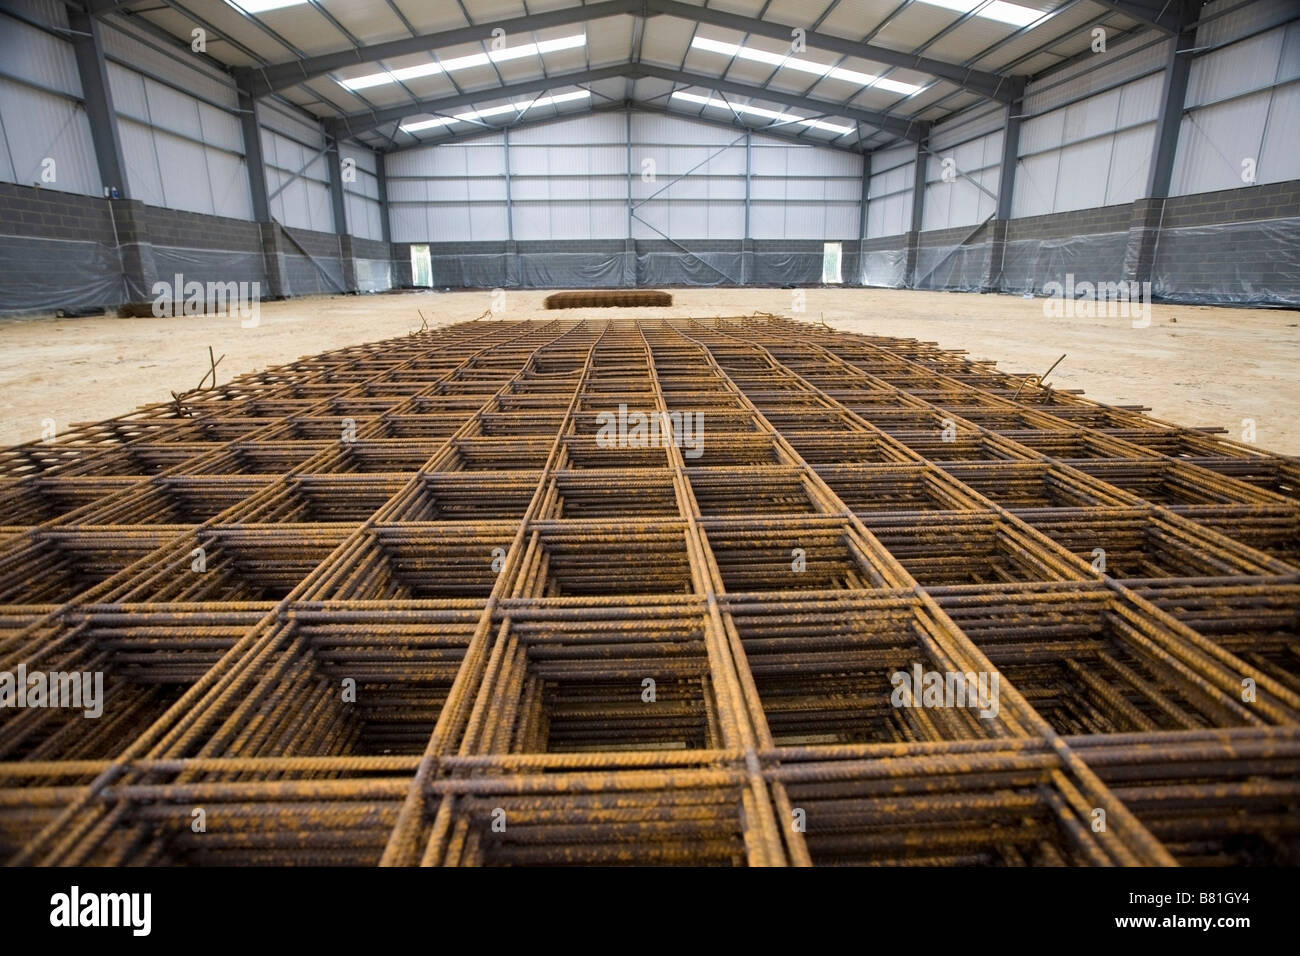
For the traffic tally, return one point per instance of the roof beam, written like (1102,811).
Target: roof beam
(991,85)
(263,80)
(355,123)
(1160,14)
(270,79)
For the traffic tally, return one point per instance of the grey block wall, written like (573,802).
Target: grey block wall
(1235,247)
(69,251)
(954,259)
(203,248)
(883,261)
(58,250)
(1088,243)
(618,263)
(1239,246)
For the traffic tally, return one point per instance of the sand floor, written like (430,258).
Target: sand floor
(1192,365)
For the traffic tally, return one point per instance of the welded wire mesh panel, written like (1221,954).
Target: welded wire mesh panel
(720,592)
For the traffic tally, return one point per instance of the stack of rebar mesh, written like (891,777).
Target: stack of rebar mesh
(420,602)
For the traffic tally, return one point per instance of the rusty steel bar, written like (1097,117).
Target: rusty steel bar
(730,591)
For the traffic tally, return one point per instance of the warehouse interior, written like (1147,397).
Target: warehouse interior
(648,142)
(970,326)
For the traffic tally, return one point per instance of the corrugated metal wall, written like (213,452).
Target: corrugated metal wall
(40,113)
(558,190)
(361,193)
(178,125)
(889,191)
(970,148)
(1088,134)
(297,173)
(1242,103)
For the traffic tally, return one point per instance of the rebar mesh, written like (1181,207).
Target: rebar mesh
(422,602)
(607,298)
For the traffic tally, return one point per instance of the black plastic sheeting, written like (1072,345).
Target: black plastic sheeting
(620,269)
(1029,264)
(884,268)
(959,268)
(582,270)
(44,275)
(1248,263)
(1254,263)
(208,265)
(374,275)
(675,268)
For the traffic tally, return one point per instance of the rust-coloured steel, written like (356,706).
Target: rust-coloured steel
(608,298)
(434,601)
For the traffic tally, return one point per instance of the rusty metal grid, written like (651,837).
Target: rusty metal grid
(434,520)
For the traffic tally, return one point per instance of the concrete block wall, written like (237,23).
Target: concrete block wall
(202,248)
(1089,243)
(883,261)
(57,251)
(1237,246)
(956,258)
(620,263)
(68,251)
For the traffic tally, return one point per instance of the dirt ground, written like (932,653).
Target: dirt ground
(1192,365)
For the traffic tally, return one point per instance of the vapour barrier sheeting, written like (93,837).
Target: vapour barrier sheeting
(620,269)
(1244,263)
(959,268)
(486,271)
(43,275)
(374,275)
(1029,264)
(581,270)
(209,265)
(885,268)
(315,276)
(786,268)
(679,268)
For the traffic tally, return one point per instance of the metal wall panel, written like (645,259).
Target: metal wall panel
(592,128)
(891,216)
(975,122)
(690,177)
(1142,54)
(1130,162)
(364,217)
(180,152)
(656,128)
(1094,152)
(1239,22)
(304,202)
(40,114)
(279,118)
(175,65)
(889,191)
(961,202)
(32,54)
(1242,111)
(37,126)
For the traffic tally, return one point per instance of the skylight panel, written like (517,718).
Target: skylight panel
(462,62)
(787,61)
(475,115)
(762,113)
